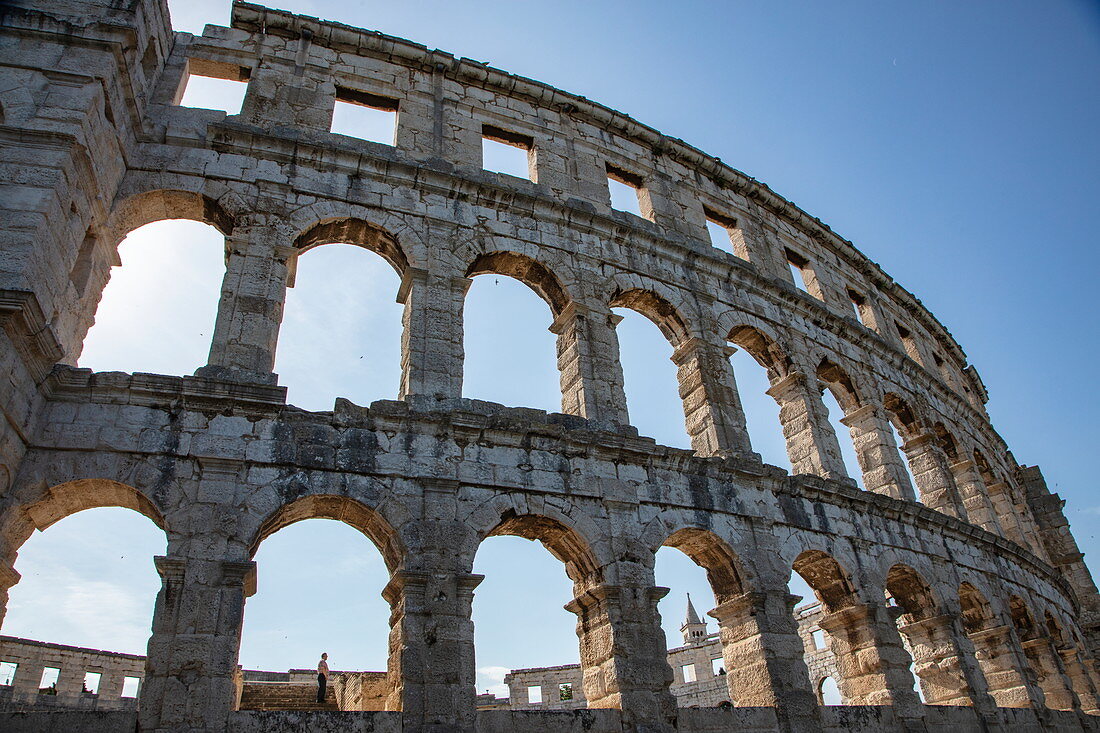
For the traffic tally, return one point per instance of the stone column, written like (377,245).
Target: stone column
(935,483)
(196,638)
(431,340)
(623,657)
(975,499)
(879,459)
(1057,690)
(432,649)
(588,359)
(764,657)
(9,576)
(1006,512)
(943,660)
(873,664)
(1004,668)
(712,408)
(251,307)
(811,444)
(1079,678)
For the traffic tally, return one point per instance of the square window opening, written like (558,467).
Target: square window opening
(7,673)
(507,152)
(565,692)
(717,667)
(626,190)
(688,671)
(91,682)
(818,638)
(48,683)
(214,85)
(131,686)
(365,116)
(725,234)
(534,694)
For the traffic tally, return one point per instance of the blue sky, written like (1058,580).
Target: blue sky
(953,143)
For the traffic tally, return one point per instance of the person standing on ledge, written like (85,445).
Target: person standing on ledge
(322,677)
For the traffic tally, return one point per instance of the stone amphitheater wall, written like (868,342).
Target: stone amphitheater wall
(990,600)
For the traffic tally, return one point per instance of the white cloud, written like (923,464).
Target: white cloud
(491,679)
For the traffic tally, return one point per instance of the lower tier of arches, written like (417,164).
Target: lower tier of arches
(984,625)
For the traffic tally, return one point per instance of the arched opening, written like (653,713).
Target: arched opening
(929,637)
(994,649)
(321,564)
(855,651)
(903,426)
(341,328)
(534,671)
(1040,656)
(701,573)
(510,354)
(817,646)
(757,363)
(158,308)
(88,580)
(840,399)
(827,691)
(649,329)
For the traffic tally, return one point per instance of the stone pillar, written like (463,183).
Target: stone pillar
(712,408)
(943,660)
(588,359)
(251,307)
(935,483)
(623,657)
(873,664)
(1004,668)
(811,444)
(975,498)
(1006,512)
(431,340)
(1057,690)
(9,576)
(432,649)
(196,638)
(764,657)
(1080,680)
(879,459)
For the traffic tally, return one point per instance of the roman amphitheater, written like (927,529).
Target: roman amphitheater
(967,574)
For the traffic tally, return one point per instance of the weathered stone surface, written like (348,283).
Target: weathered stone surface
(988,589)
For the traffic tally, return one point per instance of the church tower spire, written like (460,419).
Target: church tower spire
(694,630)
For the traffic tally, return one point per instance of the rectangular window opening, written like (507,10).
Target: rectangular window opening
(717,666)
(800,272)
(534,694)
(214,85)
(725,234)
(130,686)
(626,190)
(908,342)
(365,116)
(818,637)
(565,692)
(7,673)
(507,152)
(861,308)
(91,682)
(688,671)
(48,683)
